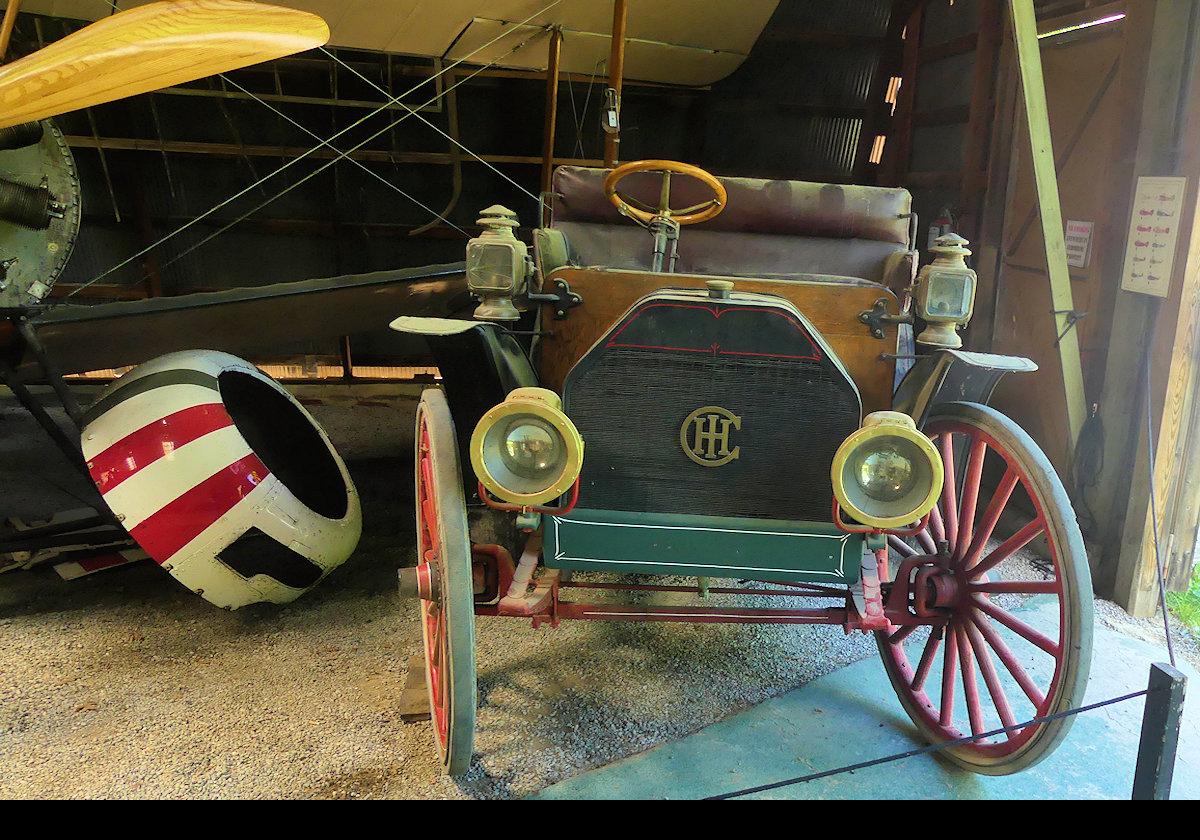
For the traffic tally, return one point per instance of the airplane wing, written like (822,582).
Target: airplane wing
(80,338)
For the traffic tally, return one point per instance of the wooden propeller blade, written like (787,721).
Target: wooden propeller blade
(151,47)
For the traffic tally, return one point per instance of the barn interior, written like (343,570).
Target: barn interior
(288,211)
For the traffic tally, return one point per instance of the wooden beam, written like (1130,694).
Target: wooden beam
(1033,84)
(756,107)
(552,66)
(961,45)
(323,228)
(898,149)
(990,227)
(6,26)
(616,77)
(289,152)
(877,118)
(983,106)
(947,115)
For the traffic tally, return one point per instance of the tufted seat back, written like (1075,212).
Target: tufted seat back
(768,229)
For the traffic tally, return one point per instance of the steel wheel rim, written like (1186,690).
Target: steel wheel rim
(963,684)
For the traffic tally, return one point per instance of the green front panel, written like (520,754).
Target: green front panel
(707,546)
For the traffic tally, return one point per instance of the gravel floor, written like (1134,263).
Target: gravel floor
(125,685)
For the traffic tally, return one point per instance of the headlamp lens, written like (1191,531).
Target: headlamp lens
(882,471)
(531,448)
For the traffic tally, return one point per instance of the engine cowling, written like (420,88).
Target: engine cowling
(222,478)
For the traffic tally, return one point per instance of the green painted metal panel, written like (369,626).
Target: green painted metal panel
(708,546)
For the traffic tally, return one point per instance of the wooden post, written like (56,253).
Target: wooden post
(983,106)
(616,71)
(1168,129)
(1001,175)
(552,68)
(6,27)
(1029,59)
(896,152)
(1160,733)
(876,121)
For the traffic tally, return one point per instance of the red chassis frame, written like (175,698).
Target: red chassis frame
(867,605)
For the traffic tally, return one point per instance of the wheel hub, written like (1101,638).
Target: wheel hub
(935,590)
(421,581)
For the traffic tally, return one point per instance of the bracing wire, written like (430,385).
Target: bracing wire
(357,163)
(341,155)
(415,113)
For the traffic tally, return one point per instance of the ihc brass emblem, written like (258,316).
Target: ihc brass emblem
(704,436)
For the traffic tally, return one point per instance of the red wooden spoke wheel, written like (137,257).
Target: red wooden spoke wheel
(1007,650)
(444,565)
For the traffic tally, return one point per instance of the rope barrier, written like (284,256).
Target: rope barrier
(849,768)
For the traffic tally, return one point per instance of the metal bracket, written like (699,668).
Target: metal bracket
(562,299)
(878,316)
(1073,318)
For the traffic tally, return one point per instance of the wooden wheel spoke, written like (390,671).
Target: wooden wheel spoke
(966,661)
(949,490)
(901,546)
(927,656)
(927,542)
(901,634)
(937,528)
(429,522)
(1010,662)
(991,516)
(439,636)
(1029,634)
(949,668)
(1018,587)
(1005,550)
(990,678)
(969,499)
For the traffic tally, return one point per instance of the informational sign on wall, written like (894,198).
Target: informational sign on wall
(1079,243)
(1153,235)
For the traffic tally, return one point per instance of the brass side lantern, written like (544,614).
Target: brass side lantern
(497,266)
(945,292)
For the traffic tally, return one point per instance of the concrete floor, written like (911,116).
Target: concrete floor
(852,716)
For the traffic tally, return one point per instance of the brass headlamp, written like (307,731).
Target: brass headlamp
(497,266)
(887,474)
(526,450)
(945,292)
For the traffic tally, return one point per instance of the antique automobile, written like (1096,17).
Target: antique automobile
(723,403)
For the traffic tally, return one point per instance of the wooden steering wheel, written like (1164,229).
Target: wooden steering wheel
(644,213)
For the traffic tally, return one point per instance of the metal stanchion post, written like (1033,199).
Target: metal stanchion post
(1160,733)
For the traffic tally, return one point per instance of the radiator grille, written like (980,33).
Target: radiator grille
(630,404)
